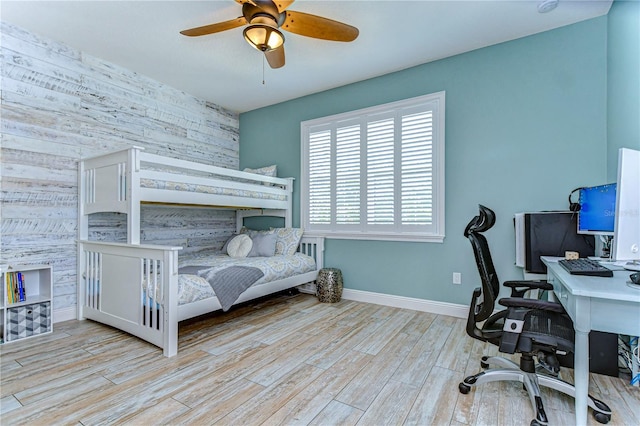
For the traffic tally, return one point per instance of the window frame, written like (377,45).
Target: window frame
(396,232)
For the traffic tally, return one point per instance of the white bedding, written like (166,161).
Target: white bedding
(191,187)
(192,287)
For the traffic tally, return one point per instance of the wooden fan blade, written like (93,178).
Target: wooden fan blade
(246,1)
(318,27)
(215,28)
(275,57)
(282,5)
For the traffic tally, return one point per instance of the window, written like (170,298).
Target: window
(376,173)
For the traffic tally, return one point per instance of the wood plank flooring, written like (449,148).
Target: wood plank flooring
(287,360)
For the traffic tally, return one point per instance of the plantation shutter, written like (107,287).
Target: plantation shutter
(377,173)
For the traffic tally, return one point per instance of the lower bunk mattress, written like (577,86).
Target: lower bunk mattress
(200,272)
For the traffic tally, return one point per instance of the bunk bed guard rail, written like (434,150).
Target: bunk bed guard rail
(121,181)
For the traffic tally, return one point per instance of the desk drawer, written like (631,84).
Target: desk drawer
(562,295)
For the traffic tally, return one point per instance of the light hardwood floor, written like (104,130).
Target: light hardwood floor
(287,360)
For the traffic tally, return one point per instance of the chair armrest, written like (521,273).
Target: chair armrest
(519,288)
(517,302)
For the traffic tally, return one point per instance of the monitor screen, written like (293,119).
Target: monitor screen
(626,241)
(597,210)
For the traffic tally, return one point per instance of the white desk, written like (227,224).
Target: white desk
(593,303)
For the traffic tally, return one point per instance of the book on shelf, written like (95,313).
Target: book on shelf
(7,284)
(21,287)
(15,287)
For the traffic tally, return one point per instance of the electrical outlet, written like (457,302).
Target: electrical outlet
(457,278)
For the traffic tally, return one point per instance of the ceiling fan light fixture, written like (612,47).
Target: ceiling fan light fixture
(547,5)
(263,37)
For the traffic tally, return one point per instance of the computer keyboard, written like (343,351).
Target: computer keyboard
(585,267)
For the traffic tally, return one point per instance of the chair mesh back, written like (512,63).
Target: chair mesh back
(549,323)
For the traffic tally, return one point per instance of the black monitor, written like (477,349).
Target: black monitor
(597,210)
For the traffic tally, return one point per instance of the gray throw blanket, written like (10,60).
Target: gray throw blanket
(228,283)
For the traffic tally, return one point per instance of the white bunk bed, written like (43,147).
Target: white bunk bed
(133,286)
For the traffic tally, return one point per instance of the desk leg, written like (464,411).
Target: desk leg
(635,366)
(581,375)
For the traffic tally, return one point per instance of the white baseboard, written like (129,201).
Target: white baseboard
(64,314)
(422,305)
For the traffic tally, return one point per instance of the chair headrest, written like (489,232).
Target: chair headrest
(481,223)
(471,226)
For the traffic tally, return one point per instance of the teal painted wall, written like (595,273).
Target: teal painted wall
(623,77)
(525,124)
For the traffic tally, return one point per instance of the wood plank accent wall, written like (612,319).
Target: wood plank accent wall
(59,105)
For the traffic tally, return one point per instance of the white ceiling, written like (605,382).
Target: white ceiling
(143,36)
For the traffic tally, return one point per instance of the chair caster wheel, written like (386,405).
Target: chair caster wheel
(464,389)
(601,417)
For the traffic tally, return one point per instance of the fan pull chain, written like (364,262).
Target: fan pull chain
(263,59)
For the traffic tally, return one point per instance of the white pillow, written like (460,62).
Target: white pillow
(239,246)
(264,171)
(226,243)
(271,171)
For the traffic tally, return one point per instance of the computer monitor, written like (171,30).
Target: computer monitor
(626,239)
(597,210)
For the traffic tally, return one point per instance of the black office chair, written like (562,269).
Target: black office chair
(531,327)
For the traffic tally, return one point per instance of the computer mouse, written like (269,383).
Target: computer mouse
(635,278)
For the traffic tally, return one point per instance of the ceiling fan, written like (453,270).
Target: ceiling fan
(267,17)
